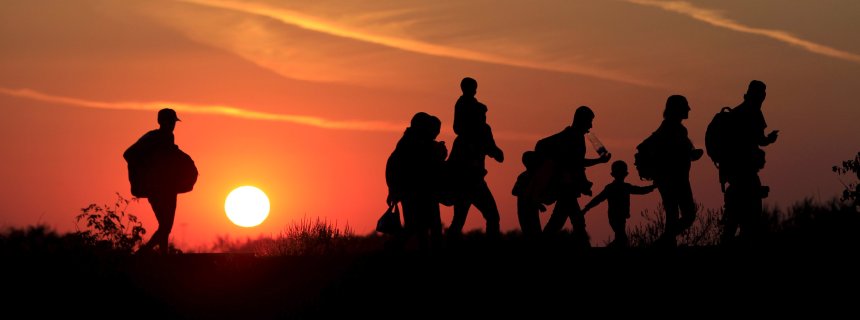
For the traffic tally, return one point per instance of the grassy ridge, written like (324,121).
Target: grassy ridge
(314,270)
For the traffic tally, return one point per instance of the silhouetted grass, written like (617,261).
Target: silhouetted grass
(305,237)
(705,231)
(804,224)
(315,269)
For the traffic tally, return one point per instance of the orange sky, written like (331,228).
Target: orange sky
(306,100)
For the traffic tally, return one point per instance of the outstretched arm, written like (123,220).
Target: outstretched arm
(642,190)
(603,159)
(595,201)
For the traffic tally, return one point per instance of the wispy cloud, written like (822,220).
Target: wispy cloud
(236,112)
(715,18)
(220,110)
(317,24)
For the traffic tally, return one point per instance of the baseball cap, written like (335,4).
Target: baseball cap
(167,114)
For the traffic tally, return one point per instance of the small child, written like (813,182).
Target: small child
(528,209)
(618,194)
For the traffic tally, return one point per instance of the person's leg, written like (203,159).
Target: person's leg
(528,214)
(577,221)
(410,211)
(558,217)
(730,215)
(435,225)
(670,206)
(461,210)
(751,224)
(464,198)
(164,207)
(619,227)
(687,206)
(485,203)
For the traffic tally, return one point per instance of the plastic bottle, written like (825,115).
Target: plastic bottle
(598,146)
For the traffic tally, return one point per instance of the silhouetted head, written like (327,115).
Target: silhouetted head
(619,169)
(425,125)
(755,93)
(529,159)
(583,118)
(677,108)
(167,118)
(469,86)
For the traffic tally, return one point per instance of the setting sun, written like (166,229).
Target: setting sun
(247,206)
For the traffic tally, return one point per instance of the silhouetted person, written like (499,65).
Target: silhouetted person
(413,174)
(561,176)
(147,159)
(672,174)
(466,164)
(743,160)
(528,208)
(617,195)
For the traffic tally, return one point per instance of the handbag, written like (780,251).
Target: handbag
(389,223)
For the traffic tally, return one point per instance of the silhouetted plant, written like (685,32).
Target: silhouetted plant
(705,231)
(646,233)
(302,238)
(111,226)
(317,237)
(809,223)
(33,239)
(848,167)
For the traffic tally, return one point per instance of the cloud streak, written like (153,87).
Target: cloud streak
(235,112)
(220,110)
(297,19)
(715,18)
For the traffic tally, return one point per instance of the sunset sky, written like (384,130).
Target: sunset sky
(306,99)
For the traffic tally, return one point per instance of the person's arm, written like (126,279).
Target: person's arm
(642,190)
(603,159)
(493,149)
(770,138)
(140,147)
(596,200)
(459,125)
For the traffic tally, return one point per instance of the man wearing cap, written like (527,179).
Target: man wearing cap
(147,159)
(743,197)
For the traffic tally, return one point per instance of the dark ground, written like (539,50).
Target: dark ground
(478,281)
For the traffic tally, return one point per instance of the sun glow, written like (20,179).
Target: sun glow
(247,206)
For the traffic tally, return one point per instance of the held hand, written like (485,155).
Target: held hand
(390,199)
(498,155)
(442,149)
(771,138)
(604,158)
(696,154)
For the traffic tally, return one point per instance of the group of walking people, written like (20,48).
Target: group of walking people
(421,174)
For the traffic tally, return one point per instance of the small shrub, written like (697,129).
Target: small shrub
(110,226)
(852,189)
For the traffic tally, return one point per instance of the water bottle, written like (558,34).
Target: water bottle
(598,146)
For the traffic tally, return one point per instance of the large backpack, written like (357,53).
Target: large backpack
(646,158)
(718,139)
